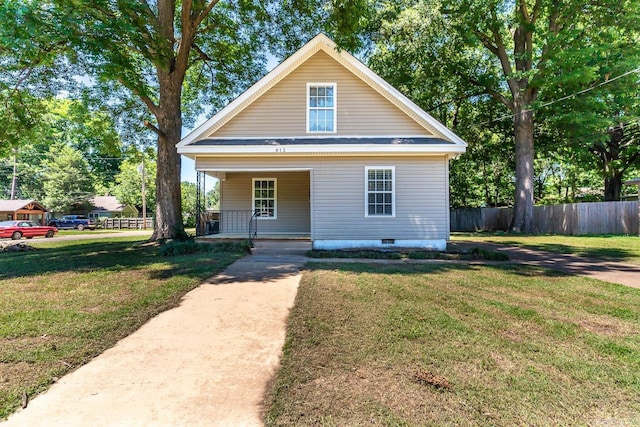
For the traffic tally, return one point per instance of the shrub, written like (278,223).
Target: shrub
(187,247)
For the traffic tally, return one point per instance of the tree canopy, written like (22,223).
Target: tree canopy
(507,76)
(518,53)
(67,183)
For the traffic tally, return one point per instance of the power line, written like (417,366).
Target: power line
(564,98)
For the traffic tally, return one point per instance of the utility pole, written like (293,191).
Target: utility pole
(15,174)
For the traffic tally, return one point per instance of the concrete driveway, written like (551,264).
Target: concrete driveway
(206,362)
(622,273)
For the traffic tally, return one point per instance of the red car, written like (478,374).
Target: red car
(21,228)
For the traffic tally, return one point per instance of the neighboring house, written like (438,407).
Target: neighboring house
(109,207)
(635,181)
(325,148)
(22,209)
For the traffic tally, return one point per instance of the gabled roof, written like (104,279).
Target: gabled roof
(107,203)
(16,205)
(322,43)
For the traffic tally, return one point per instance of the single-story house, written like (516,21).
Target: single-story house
(22,209)
(109,207)
(324,147)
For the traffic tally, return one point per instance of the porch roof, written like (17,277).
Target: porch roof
(16,205)
(323,146)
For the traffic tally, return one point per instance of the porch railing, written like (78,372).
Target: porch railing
(228,222)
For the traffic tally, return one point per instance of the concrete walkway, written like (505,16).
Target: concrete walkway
(206,362)
(607,271)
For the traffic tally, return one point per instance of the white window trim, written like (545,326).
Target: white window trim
(275,198)
(335,106)
(366,191)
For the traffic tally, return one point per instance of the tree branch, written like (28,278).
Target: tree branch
(502,52)
(523,11)
(487,42)
(187,37)
(22,79)
(554,28)
(202,54)
(497,95)
(155,110)
(153,128)
(166,29)
(152,17)
(203,14)
(536,12)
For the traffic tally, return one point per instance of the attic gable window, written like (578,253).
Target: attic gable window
(321,107)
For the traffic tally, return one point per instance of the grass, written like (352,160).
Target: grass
(456,344)
(607,247)
(67,302)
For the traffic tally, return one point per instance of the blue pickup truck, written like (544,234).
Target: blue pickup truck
(78,222)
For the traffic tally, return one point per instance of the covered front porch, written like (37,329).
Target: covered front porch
(272,204)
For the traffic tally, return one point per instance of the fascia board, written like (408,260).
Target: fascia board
(319,148)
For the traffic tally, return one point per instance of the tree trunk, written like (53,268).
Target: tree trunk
(613,187)
(522,221)
(610,155)
(168,224)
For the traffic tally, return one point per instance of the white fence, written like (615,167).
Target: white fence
(126,223)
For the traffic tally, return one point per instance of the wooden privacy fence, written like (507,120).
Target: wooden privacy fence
(570,218)
(126,223)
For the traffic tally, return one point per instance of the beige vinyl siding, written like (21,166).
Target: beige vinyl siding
(421,209)
(281,112)
(292,198)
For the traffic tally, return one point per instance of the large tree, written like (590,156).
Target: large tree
(167,57)
(515,51)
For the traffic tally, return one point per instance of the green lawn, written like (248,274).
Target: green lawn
(609,247)
(67,302)
(96,231)
(457,344)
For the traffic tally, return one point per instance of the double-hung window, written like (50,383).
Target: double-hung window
(380,191)
(321,107)
(265,198)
